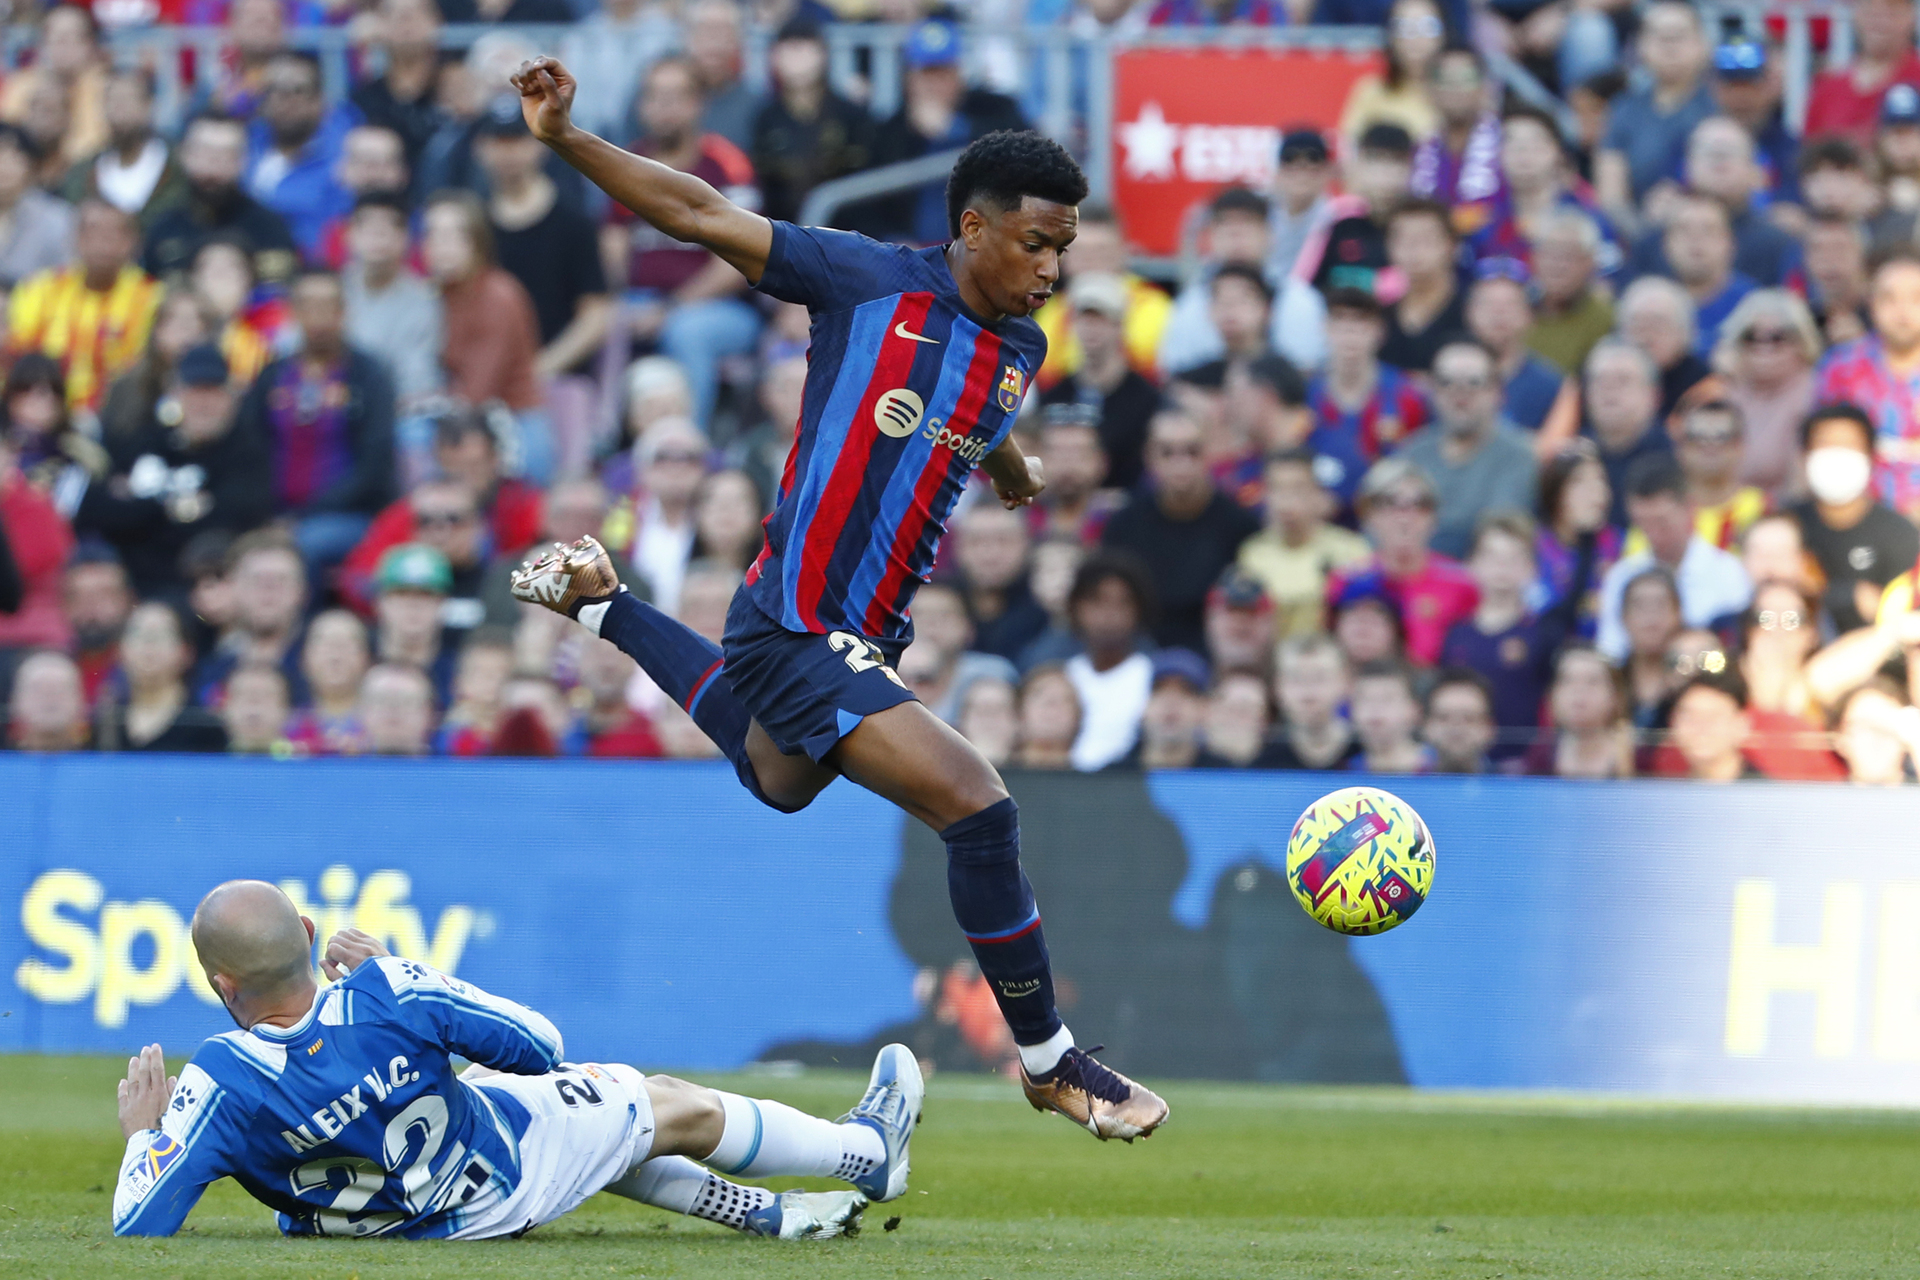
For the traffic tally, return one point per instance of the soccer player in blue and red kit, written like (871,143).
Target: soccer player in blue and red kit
(918,363)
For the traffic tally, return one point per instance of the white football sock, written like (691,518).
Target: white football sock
(1041,1058)
(678,1184)
(592,615)
(765,1138)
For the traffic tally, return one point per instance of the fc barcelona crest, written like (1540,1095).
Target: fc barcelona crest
(1012,387)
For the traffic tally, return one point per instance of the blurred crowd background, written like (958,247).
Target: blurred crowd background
(1570,432)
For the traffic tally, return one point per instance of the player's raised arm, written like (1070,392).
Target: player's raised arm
(1016,475)
(679,204)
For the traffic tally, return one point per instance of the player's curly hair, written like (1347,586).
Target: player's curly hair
(1007,165)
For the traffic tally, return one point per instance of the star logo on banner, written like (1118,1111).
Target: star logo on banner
(1150,142)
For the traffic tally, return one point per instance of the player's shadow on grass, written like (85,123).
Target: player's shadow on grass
(1260,993)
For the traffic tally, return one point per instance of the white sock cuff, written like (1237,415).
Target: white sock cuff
(1041,1058)
(591,616)
(741,1138)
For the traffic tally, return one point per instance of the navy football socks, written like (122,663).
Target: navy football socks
(994,904)
(687,665)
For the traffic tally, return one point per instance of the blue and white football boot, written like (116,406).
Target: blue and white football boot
(891,1108)
(808,1215)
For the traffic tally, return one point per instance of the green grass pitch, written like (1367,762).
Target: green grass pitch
(1246,1181)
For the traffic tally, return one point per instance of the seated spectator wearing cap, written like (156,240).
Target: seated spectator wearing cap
(1430,592)
(213,155)
(1538,180)
(992,554)
(269,589)
(396,711)
(152,710)
(1860,543)
(1722,167)
(1361,408)
(1459,166)
(1240,624)
(1106,382)
(1236,244)
(1590,736)
(293,149)
(1181,527)
(1845,100)
(1896,147)
(411,584)
(1350,248)
(1367,625)
(1875,373)
(680,296)
(393,314)
(1110,606)
(1622,402)
(1311,685)
(1477,460)
(1711,582)
(96,599)
(1175,716)
(1499,313)
(93,315)
(254,710)
(1457,723)
(1100,249)
(1710,728)
(938,111)
(38,228)
(1648,127)
(188,469)
(805,133)
(1293,554)
(326,413)
(1386,717)
(1573,310)
(333,662)
(1299,199)
(1747,85)
(46,710)
(1877,733)
(1414,32)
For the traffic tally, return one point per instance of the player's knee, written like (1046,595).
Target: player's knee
(688,1118)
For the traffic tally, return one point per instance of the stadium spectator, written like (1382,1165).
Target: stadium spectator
(269,587)
(1896,145)
(1505,643)
(1537,181)
(402,96)
(1778,634)
(392,314)
(1236,237)
(492,333)
(254,709)
(396,710)
(806,134)
(991,553)
(1586,706)
(1299,200)
(1263,409)
(294,148)
(413,582)
(185,470)
(1499,314)
(96,598)
(1648,127)
(213,156)
(1874,733)
(38,541)
(1240,308)
(1459,166)
(537,720)
(1699,246)
(1708,441)
(1237,722)
(1846,100)
(1574,310)
(1350,248)
(1056,563)
(1721,167)
(614,728)
(1423,247)
(1175,714)
(1748,88)
(56,452)
(1876,373)
(1860,544)
(609,51)
(68,69)
(1457,723)
(680,296)
(944,658)
(1106,382)
(1297,549)
(990,719)
(1837,280)
(93,315)
(1575,499)
(1311,683)
(477,704)
(714,45)
(1415,31)
(1076,503)
(1767,352)
(1710,728)
(1050,717)
(1710,582)
(653,525)
(1110,606)
(36,228)
(1657,315)
(246,329)
(182,320)
(333,662)
(1622,390)
(1477,460)
(158,714)
(373,161)
(1386,715)
(1836,182)
(47,710)
(726,520)
(1651,620)
(1427,591)
(1100,249)
(256,31)
(1361,407)
(1367,625)
(1239,624)
(1183,529)
(203,564)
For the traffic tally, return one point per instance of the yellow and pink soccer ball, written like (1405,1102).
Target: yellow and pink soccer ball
(1360,860)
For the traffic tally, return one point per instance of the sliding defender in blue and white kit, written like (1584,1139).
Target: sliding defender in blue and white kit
(339,1108)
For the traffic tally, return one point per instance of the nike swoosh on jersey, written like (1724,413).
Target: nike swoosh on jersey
(901,331)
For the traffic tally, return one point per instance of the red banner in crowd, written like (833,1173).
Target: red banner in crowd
(1187,122)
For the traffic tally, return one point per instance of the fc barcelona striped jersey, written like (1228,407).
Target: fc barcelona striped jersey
(907,391)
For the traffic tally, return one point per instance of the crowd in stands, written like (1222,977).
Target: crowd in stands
(1471,445)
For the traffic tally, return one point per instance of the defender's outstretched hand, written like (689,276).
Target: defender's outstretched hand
(347,950)
(546,97)
(145,1091)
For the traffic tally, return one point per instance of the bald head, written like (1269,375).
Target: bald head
(250,933)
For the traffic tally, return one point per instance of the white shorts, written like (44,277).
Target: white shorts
(590,1123)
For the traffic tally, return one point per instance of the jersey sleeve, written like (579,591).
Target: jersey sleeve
(165,1170)
(827,270)
(482,1027)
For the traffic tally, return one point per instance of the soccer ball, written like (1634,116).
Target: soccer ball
(1360,860)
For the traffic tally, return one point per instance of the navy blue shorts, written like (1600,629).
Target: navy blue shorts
(807,691)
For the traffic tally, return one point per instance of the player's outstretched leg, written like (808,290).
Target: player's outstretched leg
(579,581)
(678,1184)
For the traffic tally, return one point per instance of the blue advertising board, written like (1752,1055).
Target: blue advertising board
(1754,941)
